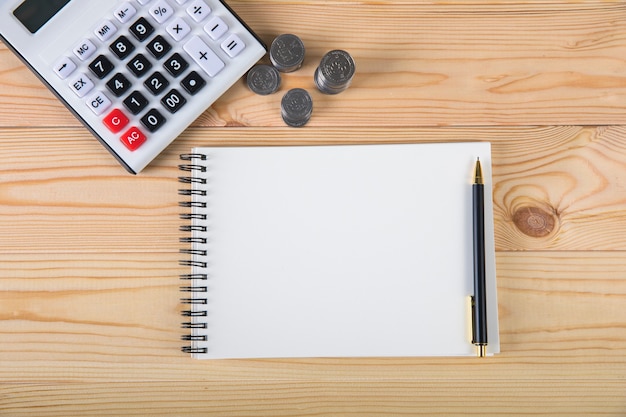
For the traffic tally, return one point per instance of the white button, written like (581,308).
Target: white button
(161,11)
(64,67)
(178,29)
(84,50)
(204,56)
(198,10)
(125,12)
(105,30)
(81,85)
(216,28)
(181,1)
(98,102)
(142,2)
(233,45)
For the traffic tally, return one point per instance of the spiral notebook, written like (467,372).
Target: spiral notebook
(333,251)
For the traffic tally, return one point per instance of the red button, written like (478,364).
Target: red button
(133,139)
(115,121)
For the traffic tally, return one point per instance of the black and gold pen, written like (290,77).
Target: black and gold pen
(479,300)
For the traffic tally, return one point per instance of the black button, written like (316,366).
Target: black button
(153,120)
(139,65)
(101,66)
(141,29)
(176,65)
(193,83)
(118,85)
(122,47)
(136,102)
(173,101)
(158,47)
(156,83)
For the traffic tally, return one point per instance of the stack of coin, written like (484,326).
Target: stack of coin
(296,107)
(287,53)
(263,79)
(335,72)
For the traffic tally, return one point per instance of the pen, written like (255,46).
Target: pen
(479,301)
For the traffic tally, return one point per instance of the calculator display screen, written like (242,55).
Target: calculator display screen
(35,13)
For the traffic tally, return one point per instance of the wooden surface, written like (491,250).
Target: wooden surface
(89,285)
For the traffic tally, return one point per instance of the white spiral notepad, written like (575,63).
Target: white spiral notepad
(334,251)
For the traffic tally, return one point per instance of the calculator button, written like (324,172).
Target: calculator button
(81,85)
(118,85)
(216,28)
(161,11)
(193,83)
(198,10)
(233,45)
(178,29)
(133,138)
(204,56)
(101,66)
(173,101)
(158,47)
(105,30)
(139,65)
(98,102)
(125,12)
(136,102)
(144,2)
(84,50)
(64,67)
(115,121)
(153,120)
(156,83)
(181,1)
(141,29)
(122,47)
(176,65)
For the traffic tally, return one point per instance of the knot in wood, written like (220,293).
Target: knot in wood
(534,222)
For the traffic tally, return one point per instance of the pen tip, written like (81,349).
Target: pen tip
(478,174)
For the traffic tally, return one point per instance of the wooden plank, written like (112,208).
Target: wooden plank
(418,64)
(555,188)
(115,317)
(364,398)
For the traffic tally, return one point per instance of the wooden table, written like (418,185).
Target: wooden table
(89,312)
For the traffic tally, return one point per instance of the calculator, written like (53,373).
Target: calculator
(136,73)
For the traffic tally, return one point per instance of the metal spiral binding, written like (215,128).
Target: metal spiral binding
(195,301)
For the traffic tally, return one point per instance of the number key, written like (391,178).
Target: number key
(173,101)
(136,102)
(141,29)
(158,47)
(156,83)
(153,120)
(101,66)
(139,65)
(176,65)
(122,47)
(118,85)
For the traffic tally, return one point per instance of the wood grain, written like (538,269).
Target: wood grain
(418,64)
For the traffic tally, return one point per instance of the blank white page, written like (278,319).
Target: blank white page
(342,251)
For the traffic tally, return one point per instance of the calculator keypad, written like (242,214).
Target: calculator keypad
(146,61)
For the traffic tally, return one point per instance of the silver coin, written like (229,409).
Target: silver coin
(263,79)
(335,72)
(296,107)
(287,53)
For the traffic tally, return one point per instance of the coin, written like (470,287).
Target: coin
(263,79)
(296,107)
(287,53)
(335,72)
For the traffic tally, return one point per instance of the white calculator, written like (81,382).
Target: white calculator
(136,73)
